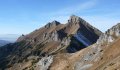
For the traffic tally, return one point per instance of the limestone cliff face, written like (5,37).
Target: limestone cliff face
(52,24)
(110,35)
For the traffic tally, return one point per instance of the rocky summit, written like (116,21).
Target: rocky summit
(76,45)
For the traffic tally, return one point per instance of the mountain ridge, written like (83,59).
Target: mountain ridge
(51,40)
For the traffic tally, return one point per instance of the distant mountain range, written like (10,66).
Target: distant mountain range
(75,45)
(3,42)
(9,37)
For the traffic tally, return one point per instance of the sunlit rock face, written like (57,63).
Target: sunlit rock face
(52,24)
(110,35)
(44,63)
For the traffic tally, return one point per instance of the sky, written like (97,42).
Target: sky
(24,16)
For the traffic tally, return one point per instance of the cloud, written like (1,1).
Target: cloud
(75,8)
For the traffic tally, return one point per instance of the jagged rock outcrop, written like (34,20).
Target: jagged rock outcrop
(52,24)
(84,28)
(44,63)
(110,35)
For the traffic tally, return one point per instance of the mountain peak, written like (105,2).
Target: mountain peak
(110,35)
(51,24)
(114,31)
(74,19)
(74,16)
